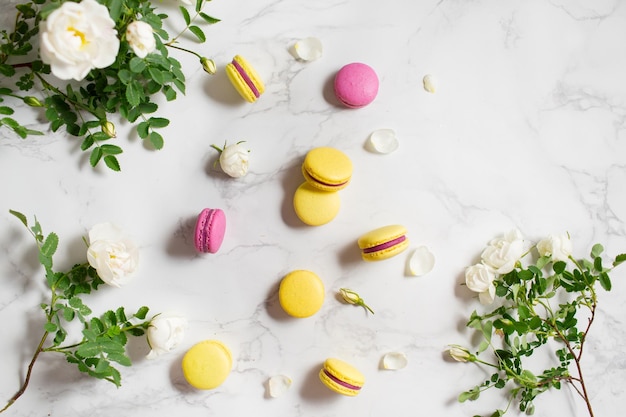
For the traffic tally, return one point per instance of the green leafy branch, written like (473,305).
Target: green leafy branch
(103,339)
(530,316)
(126,87)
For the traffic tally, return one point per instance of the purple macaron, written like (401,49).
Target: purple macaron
(210,229)
(356,85)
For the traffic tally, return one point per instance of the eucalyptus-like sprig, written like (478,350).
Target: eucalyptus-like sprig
(127,87)
(101,346)
(541,302)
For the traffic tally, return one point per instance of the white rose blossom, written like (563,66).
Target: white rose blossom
(112,254)
(165,333)
(502,254)
(558,247)
(140,37)
(460,354)
(77,37)
(479,278)
(234,159)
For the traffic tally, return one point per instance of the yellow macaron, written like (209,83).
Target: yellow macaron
(207,364)
(341,377)
(327,169)
(315,207)
(245,79)
(301,293)
(383,243)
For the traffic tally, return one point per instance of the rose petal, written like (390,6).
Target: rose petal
(308,49)
(430,83)
(394,361)
(278,385)
(421,262)
(383,141)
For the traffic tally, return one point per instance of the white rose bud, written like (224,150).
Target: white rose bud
(460,354)
(234,159)
(113,255)
(77,37)
(559,247)
(165,333)
(140,37)
(502,254)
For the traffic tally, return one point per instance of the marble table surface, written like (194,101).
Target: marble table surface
(526,129)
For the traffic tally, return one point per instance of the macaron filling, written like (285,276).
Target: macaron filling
(326,183)
(385,245)
(204,225)
(340,382)
(246,78)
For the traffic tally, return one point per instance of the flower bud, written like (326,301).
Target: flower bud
(353,298)
(109,128)
(208,65)
(460,354)
(33,101)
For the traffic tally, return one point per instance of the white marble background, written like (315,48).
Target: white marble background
(527,129)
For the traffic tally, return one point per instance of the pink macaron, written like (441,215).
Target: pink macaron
(210,228)
(356,85)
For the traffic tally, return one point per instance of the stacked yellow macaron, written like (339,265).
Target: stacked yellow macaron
(326,171)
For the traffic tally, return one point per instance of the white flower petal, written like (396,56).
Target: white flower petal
(383,141)
(421,262)
(430,83)
(278,385)
(308,49)
(394,361)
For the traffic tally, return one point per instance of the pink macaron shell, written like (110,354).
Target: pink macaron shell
(210,230)
(356,85)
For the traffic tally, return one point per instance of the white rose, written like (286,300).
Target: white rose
(487,297)
(460,354)
(140,37)
(234,160)
(502,254)
(78,37)
(114,256)
(559,247)
(479,277)
(165,333)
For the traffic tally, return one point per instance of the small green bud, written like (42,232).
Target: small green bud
(33,101)
(208,65)
(109,128)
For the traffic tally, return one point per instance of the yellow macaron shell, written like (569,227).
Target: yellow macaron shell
(381,236)
(238,81)
(301,293)
(327,168)
(207,364)
(315,207)
(341,377)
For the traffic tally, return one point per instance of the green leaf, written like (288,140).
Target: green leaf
(90,335)
(112,162)
(133,93)
(198,32)
(20,216)
(115,9)
(120,358)
(142,312)
(137,65)
(185,14)
(6,110)
(111,149)
(50,327)
(209,19)
(157,122)
(156,140)
(156,75)
(109,318)
(96,155)
(596,250)
(605,281)
(143,130)
(559,267)
(50,245)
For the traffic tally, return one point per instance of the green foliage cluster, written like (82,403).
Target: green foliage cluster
(542,302)
(102,343)
(127,87)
